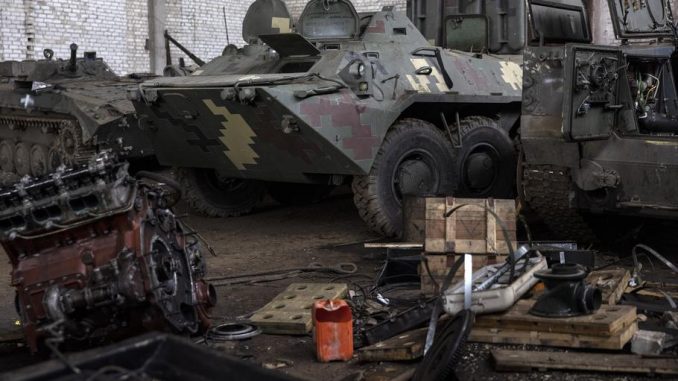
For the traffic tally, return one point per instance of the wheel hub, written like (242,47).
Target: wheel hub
(480,170)
(416,177)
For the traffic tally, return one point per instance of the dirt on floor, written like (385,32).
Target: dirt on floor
(275,237)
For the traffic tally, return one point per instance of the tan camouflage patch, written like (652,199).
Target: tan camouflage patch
(281,23)
(436,81)
(416,85)
(236,135)
(512,74)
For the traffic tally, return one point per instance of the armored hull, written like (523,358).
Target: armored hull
(55,112)
(322,105)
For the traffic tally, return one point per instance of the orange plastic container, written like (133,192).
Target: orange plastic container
(333,323)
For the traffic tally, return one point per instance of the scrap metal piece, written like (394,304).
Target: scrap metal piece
(651,343)
(232,332)
(567,294)
(403,322)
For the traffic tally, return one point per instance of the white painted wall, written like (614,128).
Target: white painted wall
(118,29)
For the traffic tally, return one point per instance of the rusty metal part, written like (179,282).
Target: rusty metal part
(97,255)
(566,293)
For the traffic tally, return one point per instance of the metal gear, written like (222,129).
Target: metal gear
(71,147)
(440,362)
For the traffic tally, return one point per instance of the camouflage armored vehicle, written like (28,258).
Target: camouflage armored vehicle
(56,111)
(599,131)
(342,97)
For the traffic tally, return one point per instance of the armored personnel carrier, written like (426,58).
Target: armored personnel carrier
(56,111)
(599,131)
(341,97)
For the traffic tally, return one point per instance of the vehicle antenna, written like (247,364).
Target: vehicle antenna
(228,42)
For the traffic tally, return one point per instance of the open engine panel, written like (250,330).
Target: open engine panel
(653,90)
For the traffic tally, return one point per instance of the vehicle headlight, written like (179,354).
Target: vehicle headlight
(357,70)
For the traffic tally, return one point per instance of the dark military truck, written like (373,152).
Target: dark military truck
(340,97)
(599,130)
(59,111)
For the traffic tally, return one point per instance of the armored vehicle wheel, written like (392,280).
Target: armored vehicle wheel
(214,196)
(297,194)
(6,156)
(487,160)
(39,160)
(415,159)
(22,159)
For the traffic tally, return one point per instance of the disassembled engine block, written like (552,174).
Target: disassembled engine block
(98,256)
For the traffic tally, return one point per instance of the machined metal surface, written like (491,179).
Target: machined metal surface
(566,292)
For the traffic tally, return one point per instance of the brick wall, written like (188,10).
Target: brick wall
(296,6)
(199,25)
(118,29)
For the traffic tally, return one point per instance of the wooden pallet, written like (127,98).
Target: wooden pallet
(607,321)
(290,313)
(551,339)
(526,361)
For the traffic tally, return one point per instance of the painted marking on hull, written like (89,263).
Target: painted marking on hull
(512,74)
(281,23)
(236,135)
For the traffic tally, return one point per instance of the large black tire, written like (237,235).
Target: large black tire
(212,196)
(415,158)
(297,194)
(487,160)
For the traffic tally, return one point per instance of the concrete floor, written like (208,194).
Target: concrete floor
(277,237)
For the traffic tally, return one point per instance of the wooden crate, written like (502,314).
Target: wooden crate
(471,229)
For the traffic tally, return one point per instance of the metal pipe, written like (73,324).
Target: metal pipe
(74,56)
